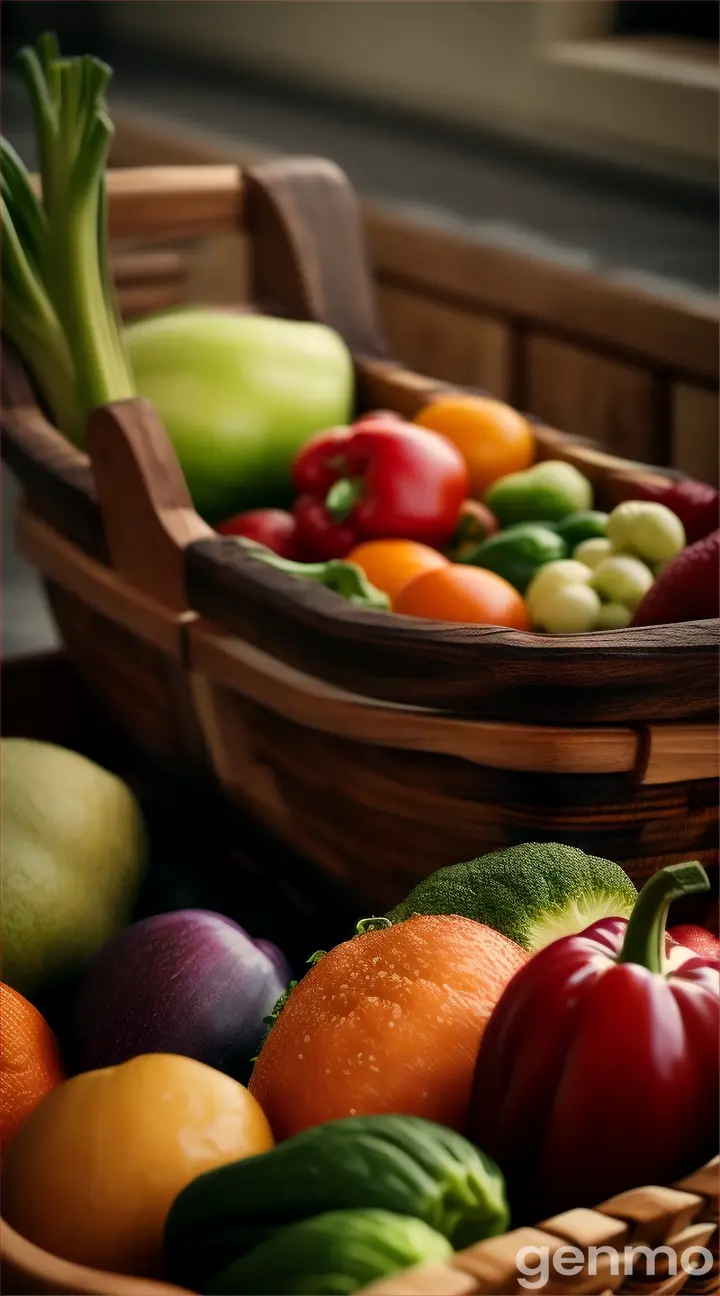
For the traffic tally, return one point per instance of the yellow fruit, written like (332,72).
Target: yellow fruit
(93,1171)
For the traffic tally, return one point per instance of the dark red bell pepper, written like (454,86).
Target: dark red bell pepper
(699,939)
(598,1070)
(271,527)
(382,478)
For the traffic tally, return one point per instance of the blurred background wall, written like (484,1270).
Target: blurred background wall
(634,81)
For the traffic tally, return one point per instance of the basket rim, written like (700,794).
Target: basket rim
(82,1280)
(314,604)
(27,432)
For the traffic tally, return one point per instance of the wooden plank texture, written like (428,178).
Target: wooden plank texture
(174,202)
(455,345)
(588,395)
(679,332)
(695,437)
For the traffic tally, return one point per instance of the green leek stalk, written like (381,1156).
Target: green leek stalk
(59,308)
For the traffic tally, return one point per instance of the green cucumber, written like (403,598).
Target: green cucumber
(589,525)
(397,1163)
(333,1255)
(518,552)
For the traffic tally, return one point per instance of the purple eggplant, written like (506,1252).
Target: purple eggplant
(189,982)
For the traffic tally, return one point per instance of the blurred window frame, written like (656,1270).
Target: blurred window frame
(659,92)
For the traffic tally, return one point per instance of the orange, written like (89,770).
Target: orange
(390,1021)
(390,564)
(460,593)
(95,1169)
(30,1064)
(493,438)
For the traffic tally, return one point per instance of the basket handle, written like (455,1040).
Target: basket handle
(147,513)
(308,252)
(308,260)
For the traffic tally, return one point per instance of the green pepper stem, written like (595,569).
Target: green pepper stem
(644,942)
(338,575)
(342,497)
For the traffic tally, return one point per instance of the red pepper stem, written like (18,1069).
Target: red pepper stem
(644,942)
(342,497)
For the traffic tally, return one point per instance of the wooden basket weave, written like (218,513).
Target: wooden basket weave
(43,698)
(382,747)
(677,1219)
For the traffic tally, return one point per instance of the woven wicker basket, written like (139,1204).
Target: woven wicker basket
(674,1222)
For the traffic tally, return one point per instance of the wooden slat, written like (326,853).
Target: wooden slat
(454,345)
(590,396)
(171,203)
(585,1228)
(653,1213)
(149,281)
(305,700)
(493,1263)
(681,332)
(695,436)
(624,676)
(137,300)
(679,751)
(99,587)
(706,1183)
(218,272)
(425,1280)
(23,1264)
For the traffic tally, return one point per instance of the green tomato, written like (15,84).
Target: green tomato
(239,395)
(622,579)
(592,552)
(566,609)
(547,492)
(614,616)
(555,575)
(646,529)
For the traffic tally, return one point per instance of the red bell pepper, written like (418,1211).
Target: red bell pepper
(273,528)
(382,478)
(699,939)
(598,1070)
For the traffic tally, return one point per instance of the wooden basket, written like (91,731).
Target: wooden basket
(381,747)
(673,1221)
(44,699)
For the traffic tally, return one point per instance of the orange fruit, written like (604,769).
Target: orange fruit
(390,564)
(459,593)
(493,438)
(30,1064)
(95,1169)
(390,1021)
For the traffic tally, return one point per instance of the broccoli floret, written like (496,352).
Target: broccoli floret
(534,893)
